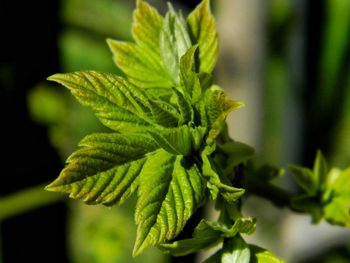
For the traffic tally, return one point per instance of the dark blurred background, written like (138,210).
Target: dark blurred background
(289,60)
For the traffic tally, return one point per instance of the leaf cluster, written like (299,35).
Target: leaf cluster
(325,192)
(169,143)
(165,115)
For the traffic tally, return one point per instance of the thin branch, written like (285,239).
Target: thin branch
(276,195)
(26,200)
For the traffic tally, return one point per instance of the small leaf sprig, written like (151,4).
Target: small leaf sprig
(325,192)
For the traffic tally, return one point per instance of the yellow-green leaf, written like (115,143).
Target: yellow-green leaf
(241,225)
(189,79)
(141,61)
(170,191)
(106,169)
(235,250)
(184,106)
(118,104)
(260,255)
(237,153)
(142,68)
(164,113)
(174,42)
(215,182)
(218,106)
(176,140)
(204,237)
(182,140)
(146,26)
(337,209)
(320,170)
(207,234)
(203,32)
(305,178)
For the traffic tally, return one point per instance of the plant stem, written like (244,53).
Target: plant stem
(278,196)
(26,200)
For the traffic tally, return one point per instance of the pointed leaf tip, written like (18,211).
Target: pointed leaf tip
(320,169)
(140,60)
(106,169)
(48,188)
(235,104)
(55,77)
(52,187)
(202,29)
(117,103)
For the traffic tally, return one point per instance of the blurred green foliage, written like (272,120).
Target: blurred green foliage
(67,121)
(110,18)
(81,51)
(103,235)
(335,75)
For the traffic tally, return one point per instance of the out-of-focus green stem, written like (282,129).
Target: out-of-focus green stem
(26,200)
(277,196)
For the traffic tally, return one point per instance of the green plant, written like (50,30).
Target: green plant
(170,144)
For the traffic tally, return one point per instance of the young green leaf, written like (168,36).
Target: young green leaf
(167,129)
(237,153)
(118,104)
(142,62)
(215,184)
(202,29)
(184,106)
(260,255)
(204,237)
(327,194)
(146,27)
(305,178)
(311,180)
(206,80)
(215,258)
(170,191)
(337,209)
(183,140)
(106,169)
(218,106)
(235,250)
(320,170)
(197,135)
(189,79)
(164,113)
(241,225)
(174,42)
(141,68)
(338,180)
(175,141)
(207,234)
(257,255)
